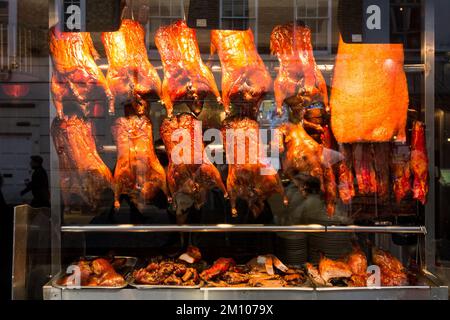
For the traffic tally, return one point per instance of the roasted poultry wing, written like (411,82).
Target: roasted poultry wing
(130,71)
(190,175)
(393,272)
(249,177)
(138,172)
(299,82)
(245,79)
(76,76)
(419,162)
(369,97)
(186,78)
(82,171)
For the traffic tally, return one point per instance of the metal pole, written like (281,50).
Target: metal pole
(428,55)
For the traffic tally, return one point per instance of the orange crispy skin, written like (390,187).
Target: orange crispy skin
(364,168)
(245,78)
(357,261)
(401,171)
(369,97)
(76,76)
(186,77)
(419,162)
(299,81)
(129,71)
(245,179)
(193,179)
(138,172)
(303,154)
(330,269)
(82,171)
(392,271)
(346,179)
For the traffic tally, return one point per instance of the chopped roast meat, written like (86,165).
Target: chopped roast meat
(369,96)
(130,71)
(245,78)
(190,175)
(299,82)
(250,178)
(82,171)
(76,77)
(186,78)
(333,269)
(167,273)
(220,266)
(138,172)
(419,162)
(393,272)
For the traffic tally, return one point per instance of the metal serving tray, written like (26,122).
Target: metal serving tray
(130,262)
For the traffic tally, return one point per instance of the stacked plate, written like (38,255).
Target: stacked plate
(333,245)
(292,249)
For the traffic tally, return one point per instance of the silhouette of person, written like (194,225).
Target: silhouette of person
(38,184)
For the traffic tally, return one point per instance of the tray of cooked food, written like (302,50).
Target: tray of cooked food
(265,271)
(352,271)
(93,272)
(160,272)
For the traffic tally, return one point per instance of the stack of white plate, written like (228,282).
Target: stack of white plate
(292,249)
(333,245)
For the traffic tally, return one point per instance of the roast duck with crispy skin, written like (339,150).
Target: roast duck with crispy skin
(304,158)
(138,172)
(76,77)
(190,175)
(81,169)
(98,272)
(250,177)
(186,78)
(299,82)
(245,78)
(130,71)
(369,96)
(419,162)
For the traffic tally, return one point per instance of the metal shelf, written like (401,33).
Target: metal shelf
(313,228)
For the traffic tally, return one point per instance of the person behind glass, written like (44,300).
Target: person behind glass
(313,206)
(38,184)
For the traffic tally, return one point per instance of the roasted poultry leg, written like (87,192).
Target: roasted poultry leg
(186,78)
(190,176)
(76,76)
